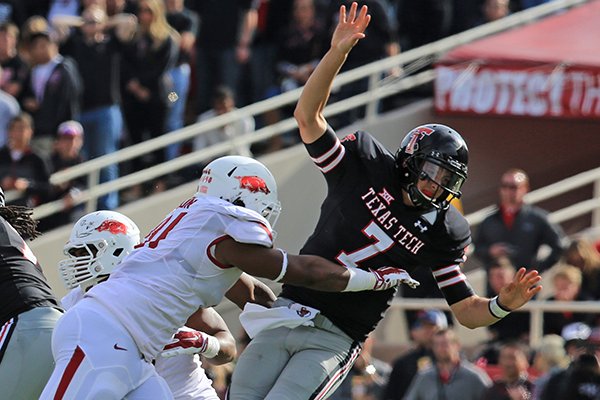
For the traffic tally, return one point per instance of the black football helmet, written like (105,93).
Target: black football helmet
(435,152)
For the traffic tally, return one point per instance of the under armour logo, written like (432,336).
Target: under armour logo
(419,224)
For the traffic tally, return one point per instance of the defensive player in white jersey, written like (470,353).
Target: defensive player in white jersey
(97,244)
(103,346)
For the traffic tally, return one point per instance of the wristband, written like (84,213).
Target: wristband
(497,310)
(360,280)
(284,265)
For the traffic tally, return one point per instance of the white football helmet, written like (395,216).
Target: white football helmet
(244,182)
(98,243)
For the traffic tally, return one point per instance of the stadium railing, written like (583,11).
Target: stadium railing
(536,308)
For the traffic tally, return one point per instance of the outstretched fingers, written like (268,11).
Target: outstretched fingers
(352,14)
(528,281)
(363,18)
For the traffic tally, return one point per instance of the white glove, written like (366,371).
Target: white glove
(388,277)
(189,341)
(382,278)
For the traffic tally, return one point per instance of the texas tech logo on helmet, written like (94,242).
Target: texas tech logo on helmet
(254,184)
(416,135)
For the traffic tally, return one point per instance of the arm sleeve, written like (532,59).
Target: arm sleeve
(453,283)
(327,152)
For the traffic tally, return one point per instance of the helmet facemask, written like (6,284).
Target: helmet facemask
(446,176)
(82,266)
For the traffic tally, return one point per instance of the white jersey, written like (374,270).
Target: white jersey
(174,271)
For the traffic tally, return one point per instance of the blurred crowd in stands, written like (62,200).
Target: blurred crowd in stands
(131,70)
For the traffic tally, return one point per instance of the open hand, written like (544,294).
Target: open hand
(350,28)
(522,289)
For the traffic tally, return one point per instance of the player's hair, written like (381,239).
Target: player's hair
(20,219)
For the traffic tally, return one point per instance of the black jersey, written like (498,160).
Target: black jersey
(364,223)
(23,285)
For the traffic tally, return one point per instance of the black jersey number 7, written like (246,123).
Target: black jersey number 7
(381,242)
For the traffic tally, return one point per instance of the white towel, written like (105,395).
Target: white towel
(256,318)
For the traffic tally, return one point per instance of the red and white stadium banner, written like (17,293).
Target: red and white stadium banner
(542,91)
(549,68)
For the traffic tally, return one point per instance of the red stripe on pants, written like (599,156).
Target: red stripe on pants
(76,359)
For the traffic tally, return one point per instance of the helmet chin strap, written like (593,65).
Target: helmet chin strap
(419,200)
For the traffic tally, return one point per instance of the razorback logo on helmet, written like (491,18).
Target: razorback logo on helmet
(114,227)
(416,135)
(254,184)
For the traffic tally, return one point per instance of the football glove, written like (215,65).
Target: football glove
(383,278)
(189,341)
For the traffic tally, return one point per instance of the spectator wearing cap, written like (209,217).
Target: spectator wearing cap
(66,154)
(417,359)
(52,92)
(21,168)
(450,377)
(566,287)
(576,337)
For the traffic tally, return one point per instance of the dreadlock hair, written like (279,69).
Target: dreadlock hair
(20,219)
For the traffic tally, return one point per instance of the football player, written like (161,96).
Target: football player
(380,209)
(105,343)
(97,244)
(28,309)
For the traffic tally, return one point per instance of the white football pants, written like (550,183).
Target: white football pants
(97,359)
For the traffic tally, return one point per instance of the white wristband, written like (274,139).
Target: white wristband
(284,265)
(212,346)
(496,309)
(360,280)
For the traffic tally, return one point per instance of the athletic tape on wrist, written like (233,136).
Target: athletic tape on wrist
(284,265)
(496,309)
(212,346)
(360,280)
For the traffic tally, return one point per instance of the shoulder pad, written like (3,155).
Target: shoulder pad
(243,225)
(252,232)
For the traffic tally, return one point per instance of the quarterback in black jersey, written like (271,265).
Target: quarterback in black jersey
(381,209)
(28,309)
